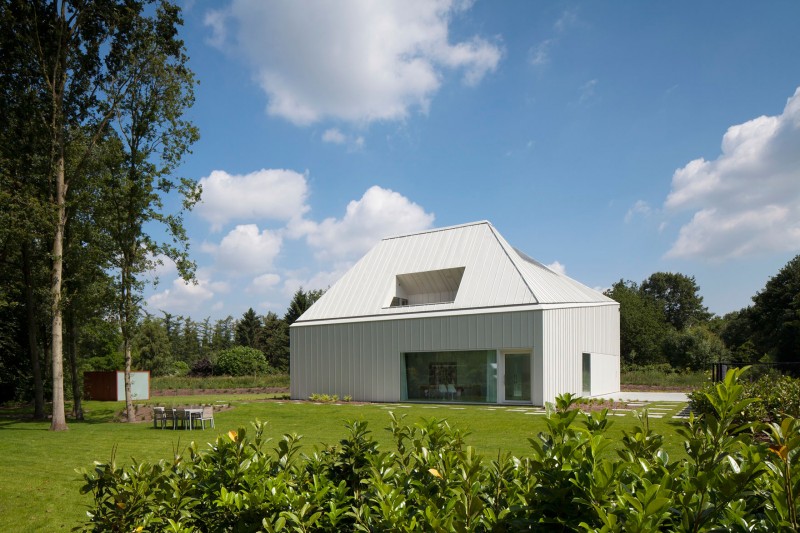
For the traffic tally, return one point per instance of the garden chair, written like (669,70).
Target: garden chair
(179,415)
(159,417)
(207,414)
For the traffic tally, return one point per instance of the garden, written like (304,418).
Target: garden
(378,467)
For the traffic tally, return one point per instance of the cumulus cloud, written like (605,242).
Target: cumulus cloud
(558,268)
(377,214)
(747,201)
(182,297)
(357,61)
(273,194)
(246,250)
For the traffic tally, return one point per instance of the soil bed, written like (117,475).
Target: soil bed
(193,392)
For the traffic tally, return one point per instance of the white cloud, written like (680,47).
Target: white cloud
(334,136)
(377,214)
(639,208)
(246,250)
(274,194)
(540,54)
(557,267)
(320,280)
(192,298)
(747,201)
(264,282)
(358,61)
(216,20)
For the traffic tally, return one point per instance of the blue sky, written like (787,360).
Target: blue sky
(607,139)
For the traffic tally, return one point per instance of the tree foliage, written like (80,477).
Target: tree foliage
(300,303)
(81,80)
(642,325)
(775,315)
(678,297)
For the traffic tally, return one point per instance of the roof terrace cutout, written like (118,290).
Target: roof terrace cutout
(429,287)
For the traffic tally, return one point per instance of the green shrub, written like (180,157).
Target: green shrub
(776,397)
(240,361)
(431,480)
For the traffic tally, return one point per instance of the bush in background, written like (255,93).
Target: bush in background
(240,361)
(774,397)
(202,368)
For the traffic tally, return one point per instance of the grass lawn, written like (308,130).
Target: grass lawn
(39,488)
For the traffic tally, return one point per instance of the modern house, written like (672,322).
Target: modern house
(455,314)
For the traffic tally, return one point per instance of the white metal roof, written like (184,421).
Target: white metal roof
(495,275)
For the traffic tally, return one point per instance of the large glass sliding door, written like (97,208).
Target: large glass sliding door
(517,377)
(463,376)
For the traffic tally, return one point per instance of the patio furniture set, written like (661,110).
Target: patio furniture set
(183,417)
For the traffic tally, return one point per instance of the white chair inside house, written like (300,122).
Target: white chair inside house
(442,391)
(159,417)
(451,390)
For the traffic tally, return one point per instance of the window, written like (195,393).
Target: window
(430,287)
(460,376)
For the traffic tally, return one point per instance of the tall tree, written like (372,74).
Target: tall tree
(678,296)
(301,301)
(222,337)
(642,325)
(274,341)
(153,138)
(79,51)
(248,329)
(775,315)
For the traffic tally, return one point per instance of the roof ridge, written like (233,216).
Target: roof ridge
(503,243)
(435,230)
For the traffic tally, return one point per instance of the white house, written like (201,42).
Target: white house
(455,314)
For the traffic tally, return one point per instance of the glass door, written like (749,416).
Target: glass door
(517,377)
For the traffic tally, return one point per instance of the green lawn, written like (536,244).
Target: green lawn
(39,488)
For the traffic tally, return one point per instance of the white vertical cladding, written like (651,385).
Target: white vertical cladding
(365,359)
(567,335)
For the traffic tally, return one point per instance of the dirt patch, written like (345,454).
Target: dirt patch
(215,392)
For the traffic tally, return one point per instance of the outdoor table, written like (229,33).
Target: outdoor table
(191,414)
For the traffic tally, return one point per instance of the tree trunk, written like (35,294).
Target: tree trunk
(33,340)
(77,406)
(59,422)
(126,342)
(128,399)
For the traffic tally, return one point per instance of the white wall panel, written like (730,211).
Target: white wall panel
(567,335)
(364,359)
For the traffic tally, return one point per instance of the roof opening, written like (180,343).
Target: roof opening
(429,287)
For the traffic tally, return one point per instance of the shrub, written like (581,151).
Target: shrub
(240,361)
(202,368)
(775,397)
(431,480)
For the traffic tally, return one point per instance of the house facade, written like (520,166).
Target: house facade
(455,314)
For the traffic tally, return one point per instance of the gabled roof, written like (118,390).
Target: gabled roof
(493,275)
